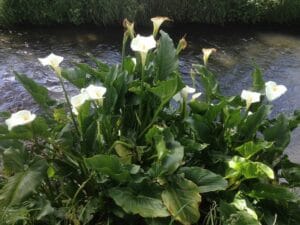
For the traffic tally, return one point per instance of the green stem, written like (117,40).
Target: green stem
(153,120)
(69,105)
(125,38)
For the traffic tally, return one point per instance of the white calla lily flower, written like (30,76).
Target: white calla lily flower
(77,101)
(273,90)
(250,97)
(196,95)
(157,22)
(95,92)
(51,60)
(20,118)
(184,93)
(206,54)
(143,44)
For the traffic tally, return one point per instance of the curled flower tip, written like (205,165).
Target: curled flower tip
(157,22)
(181,45)
(129,27)
(19,118)
(51,60)
(206,54)
(196,95)
(250,97)
(274,91)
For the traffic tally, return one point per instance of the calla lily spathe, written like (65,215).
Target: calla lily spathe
(19,118)
(157,22)
(274,91)
(77,101)
(94,92)
(143,44)
(51,60)
(206,54)
(184,93)
(250,97)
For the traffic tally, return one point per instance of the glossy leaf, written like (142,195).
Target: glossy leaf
(271,192)
(250,148)
(182,199)
(206,180)
(22,184)
(249,169)
(109,165)
(136,203)
(279,132)
(14,160)
(166,59)
(76,76)
(250,126)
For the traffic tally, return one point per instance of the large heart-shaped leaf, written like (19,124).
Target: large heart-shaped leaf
(250,148)
(166,59)
(14,160)
(206,180)
(249,169)
(182,199)
(271,192)
(109,165)
(22,184)
(137,203)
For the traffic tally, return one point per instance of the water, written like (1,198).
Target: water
(276,51)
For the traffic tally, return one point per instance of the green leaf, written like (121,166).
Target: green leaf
(250,148)
(166,89)
(76,76)
(258,83)
(209,83)
(40,127)
(22,184)
(249,169)
(166,59)
(291,172)
(206,180)
(109,165)
(231,215)
(279,132)
(94,73)
(169,154)
(14,160)
(250,126)
(39,93)
(271,192)
(134,203)
(182,199)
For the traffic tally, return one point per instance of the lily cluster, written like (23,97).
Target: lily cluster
(91,93)
(272,92)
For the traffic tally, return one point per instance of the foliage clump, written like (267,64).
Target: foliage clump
(136,147)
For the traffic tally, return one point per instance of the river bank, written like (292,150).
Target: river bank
(102,12)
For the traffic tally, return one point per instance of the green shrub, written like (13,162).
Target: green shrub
(133,148)
(48,12)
